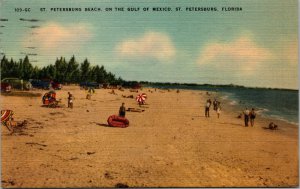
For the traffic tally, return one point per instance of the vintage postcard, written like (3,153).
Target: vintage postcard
(149,93)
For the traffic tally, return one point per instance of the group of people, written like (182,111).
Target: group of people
(216,107)
(249,116)
(71,97)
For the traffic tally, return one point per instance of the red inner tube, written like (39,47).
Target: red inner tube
(117,121)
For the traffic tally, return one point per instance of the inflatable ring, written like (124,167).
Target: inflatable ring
(117,121)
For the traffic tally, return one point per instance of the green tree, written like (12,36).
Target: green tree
(51,72)
(84,71)
(61,69)
(5,67)
(27,69)
(35,73)
(72,73)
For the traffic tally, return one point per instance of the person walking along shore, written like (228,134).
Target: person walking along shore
(246,117)
(252,117)
(207,106)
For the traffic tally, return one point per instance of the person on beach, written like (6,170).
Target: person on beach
(113,92)
(240,115)
(252,117)
(246,117)
(218,109)
(122,110)
(70,100)
(207,106)
(215,104)
(89,93)
(272,126)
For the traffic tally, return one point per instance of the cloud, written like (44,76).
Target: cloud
(243,53)
(151,45)
(54,36)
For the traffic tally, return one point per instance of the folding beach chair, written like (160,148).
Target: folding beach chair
(6,118)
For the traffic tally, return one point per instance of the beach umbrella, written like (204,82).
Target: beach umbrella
(6,115)
(141,98)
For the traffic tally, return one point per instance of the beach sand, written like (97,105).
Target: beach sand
(170,144)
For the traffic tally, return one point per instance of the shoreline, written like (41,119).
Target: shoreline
(169,144)
(237,108)
(233,105)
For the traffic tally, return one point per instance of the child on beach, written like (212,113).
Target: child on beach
(218,109)
(252,117)
(122,110)
(70,100)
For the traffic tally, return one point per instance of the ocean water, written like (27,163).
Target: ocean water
(280,104)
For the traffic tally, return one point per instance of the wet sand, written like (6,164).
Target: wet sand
(170,144)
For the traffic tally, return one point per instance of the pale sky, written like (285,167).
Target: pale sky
(257,46)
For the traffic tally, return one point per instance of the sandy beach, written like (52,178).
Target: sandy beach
(170,144)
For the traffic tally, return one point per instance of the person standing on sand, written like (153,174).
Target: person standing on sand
(215,103)
(89,93)
(207,106)
(219,109)
(122,110)
(246,117)
(252,117)
(70,100)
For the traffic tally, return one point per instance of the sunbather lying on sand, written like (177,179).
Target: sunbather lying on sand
(112,92)
(273,126)
(16,123)
(240,115)
(130,96)
(134,110)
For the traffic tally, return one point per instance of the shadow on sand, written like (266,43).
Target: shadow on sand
(102,124)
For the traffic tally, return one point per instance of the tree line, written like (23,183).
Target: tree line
(62,71)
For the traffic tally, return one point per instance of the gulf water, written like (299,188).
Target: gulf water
(281,104)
